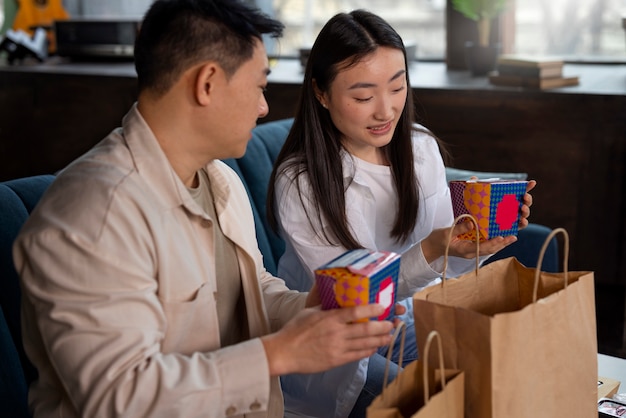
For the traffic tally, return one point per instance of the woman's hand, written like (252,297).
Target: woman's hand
(313,298)
(434,246)
(526,204)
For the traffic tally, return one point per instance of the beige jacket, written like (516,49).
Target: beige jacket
(118,278)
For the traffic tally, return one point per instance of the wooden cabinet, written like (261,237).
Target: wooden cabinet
(49,115)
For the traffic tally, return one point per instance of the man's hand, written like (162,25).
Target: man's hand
(316,340)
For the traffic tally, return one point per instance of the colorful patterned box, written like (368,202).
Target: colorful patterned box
(495,205)
(360,277)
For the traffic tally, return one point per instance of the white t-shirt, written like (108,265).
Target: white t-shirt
(380,180)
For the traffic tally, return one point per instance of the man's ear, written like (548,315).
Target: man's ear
(205,82)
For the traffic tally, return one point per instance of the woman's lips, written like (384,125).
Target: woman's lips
(381,129)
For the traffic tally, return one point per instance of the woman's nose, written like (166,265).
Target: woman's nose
(383,109)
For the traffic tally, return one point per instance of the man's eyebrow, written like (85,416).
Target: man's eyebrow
(369,85)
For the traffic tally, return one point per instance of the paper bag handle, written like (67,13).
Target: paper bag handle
(542,252)
(445,254)
(432,336)
(400,327)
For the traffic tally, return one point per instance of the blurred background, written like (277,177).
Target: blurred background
(577,30)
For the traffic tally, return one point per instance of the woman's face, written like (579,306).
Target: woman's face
(366,101)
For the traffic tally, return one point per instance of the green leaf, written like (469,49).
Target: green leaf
(476,9)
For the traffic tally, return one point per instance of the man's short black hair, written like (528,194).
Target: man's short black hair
(177,34)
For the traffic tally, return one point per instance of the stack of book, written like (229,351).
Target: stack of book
(531,72)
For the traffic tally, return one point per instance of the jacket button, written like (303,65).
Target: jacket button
(255,406)
(231,411)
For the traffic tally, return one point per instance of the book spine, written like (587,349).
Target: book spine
(555,71)
(504,60)
(532,82)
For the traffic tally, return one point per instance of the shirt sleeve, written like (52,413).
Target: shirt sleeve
(303,233)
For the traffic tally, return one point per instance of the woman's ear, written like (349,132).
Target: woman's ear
(319,95)
(204,82)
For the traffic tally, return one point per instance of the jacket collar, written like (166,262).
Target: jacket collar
(154,167)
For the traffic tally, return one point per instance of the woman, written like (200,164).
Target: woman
(357,172)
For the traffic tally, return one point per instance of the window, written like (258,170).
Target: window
(574,29)
(418,21)
(134,9)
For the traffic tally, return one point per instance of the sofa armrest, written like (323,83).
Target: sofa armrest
(527,247)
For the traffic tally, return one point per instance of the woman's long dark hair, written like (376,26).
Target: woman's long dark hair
(313,145)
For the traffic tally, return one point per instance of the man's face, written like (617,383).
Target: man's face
(240,101)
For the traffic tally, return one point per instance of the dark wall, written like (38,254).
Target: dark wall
(47,120)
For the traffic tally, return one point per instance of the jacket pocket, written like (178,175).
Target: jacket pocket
(192,325)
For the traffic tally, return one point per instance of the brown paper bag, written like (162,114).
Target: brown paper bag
(420,392)
(525,339)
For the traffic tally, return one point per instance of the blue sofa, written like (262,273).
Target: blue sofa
(19,196)
(17,199)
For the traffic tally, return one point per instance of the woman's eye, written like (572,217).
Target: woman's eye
(360,100)
(398,90)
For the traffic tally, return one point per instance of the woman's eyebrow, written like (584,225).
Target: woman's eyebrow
(363,85)
(398,74)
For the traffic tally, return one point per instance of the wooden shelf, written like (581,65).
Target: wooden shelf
(609,79)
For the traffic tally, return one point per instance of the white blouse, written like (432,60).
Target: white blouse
(333,393)
(305,250)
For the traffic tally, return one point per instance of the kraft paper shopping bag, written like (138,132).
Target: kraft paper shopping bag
(420,392)
(525,339)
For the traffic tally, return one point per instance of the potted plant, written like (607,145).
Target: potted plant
(481,57)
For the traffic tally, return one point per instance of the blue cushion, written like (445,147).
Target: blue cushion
(255,168)
(17,199)
(13,389)
(527,247)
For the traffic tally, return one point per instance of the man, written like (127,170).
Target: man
(144,289)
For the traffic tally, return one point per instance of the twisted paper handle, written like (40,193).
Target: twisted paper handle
(445,254)
(400,327)
(432,336)
(542,252)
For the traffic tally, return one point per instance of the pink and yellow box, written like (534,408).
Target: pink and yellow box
(494,203)
(360,277)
